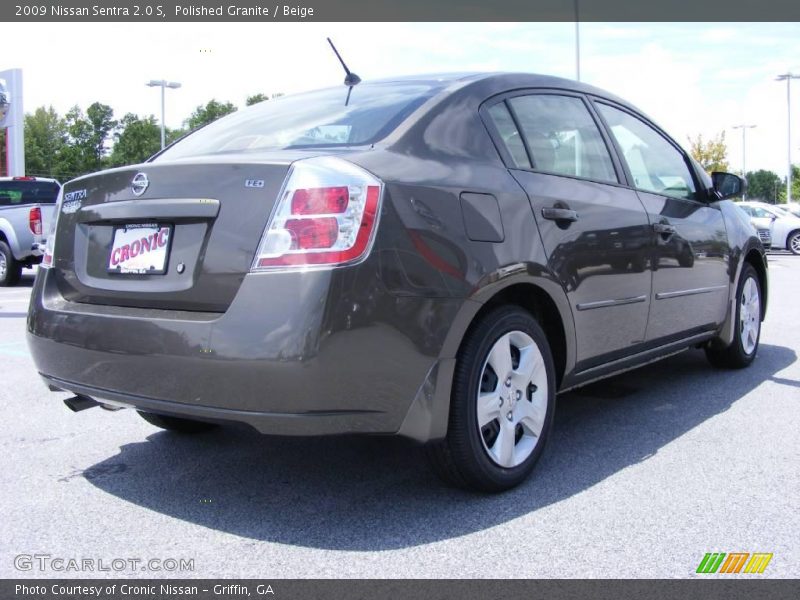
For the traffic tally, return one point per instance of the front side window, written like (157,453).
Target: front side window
(654,163)
(562,136)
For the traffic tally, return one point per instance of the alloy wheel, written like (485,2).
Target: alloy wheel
(794,243)
(749,316)
(512,399)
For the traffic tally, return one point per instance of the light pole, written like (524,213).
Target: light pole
(577,43)
(744,129)
(163,84)
(788,78)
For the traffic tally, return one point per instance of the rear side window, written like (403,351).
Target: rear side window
(15,193)
(655,164)
(323,118)
(563,137)
(509,135)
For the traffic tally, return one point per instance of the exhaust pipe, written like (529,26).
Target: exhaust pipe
(78,403)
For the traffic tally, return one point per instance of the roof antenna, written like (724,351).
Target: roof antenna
(350,79)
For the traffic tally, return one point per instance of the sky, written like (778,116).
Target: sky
(691,78)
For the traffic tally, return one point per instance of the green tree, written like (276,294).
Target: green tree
(764,185)
(255,99)
(88,134)
(213,110)
(101,119)
(712,154)
(78,156)
(45,141)
(135,140)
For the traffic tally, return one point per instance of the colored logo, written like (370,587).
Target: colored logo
(734,562)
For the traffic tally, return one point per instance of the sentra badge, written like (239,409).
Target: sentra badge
(72,201)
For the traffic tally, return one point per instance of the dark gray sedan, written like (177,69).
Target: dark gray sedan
(433,257)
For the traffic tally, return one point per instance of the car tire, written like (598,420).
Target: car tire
(10,269)
(177,424)
(793,242)
(497,449)
(747,331)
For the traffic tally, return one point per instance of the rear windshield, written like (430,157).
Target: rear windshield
(13,193)
(312,119)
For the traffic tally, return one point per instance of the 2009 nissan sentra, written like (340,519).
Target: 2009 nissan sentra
(432,257)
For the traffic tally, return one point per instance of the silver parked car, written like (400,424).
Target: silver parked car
(784,226)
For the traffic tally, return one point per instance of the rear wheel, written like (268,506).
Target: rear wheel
(10,269)
(793,243)
(741,352)
(176,423)
(501,409)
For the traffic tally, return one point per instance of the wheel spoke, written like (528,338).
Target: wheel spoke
(503,448)
(531,415)
(488,407)
(528,361)
(500,357)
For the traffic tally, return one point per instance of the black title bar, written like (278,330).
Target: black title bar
(399,10)
(461,589)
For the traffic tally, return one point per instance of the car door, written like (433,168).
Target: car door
(594,230)
(689,261)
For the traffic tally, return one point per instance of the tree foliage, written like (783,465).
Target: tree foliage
(712,154)
(765,185)
(256,98)
(205,114)
(135,140)
(45,142)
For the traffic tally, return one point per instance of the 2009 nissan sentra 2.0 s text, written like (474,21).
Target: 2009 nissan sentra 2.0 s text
(433,257)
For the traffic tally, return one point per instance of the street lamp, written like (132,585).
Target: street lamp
(163,84)
(788,78)
(744,128)
(577,42)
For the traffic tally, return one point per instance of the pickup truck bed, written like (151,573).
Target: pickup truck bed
(26,210)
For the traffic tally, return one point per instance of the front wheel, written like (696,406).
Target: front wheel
(176,423)
(502,404)
(793,243)
(741,352)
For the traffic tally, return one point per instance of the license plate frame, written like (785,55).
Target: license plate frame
(138,236)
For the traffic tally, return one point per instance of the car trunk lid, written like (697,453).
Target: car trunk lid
(198,222)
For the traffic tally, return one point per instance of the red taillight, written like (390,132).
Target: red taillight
(35,220)
(324,223)
(320,201)
(24,178)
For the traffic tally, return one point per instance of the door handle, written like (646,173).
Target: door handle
(664,228)
(559,214)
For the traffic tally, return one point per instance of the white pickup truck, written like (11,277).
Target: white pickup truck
(26,207)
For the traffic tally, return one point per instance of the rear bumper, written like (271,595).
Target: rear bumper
(316,353)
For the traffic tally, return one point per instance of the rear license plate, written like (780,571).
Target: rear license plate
(140,249)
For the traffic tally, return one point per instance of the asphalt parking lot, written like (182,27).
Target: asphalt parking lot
(646,472)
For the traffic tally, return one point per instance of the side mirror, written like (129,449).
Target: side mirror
(728,185)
